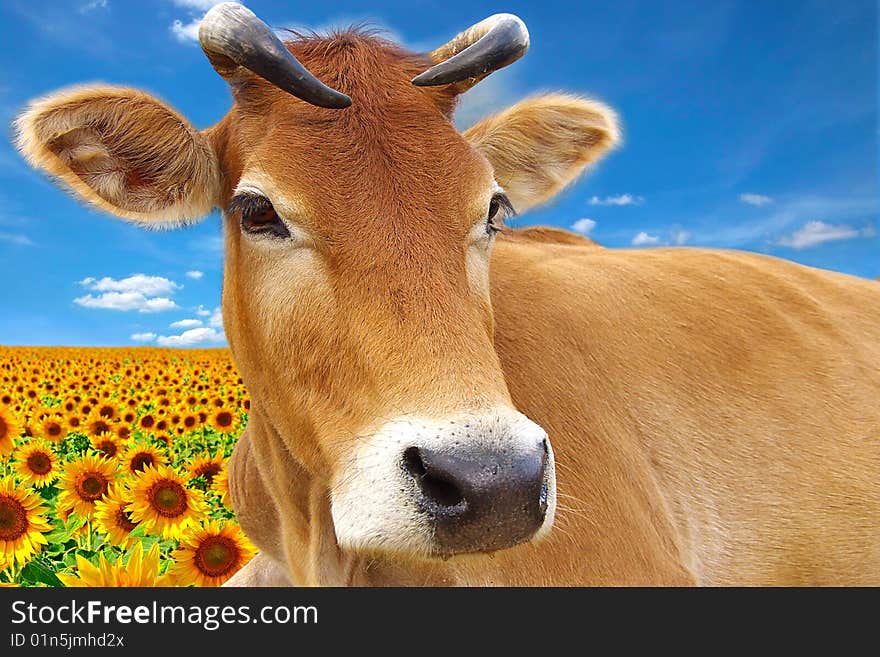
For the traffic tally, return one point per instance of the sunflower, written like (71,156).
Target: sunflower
(97,424)
(74,422)
(108,411)
(52,428)
(223,420)
(84,482)
(220,486)
(147,422)
(160,500)
(10,429)
(139,457)
(210,555)
(137,570)
(37,464)
(207,467)
(112,517)
(21,523)
(108,444)
(190,421)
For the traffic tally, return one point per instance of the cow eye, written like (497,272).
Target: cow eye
(257,216)
(500,209)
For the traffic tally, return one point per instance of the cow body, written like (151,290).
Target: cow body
(712,413)
(417,372)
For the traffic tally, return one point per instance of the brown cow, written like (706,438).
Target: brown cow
(713,415)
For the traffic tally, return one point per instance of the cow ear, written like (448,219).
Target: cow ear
(123,151)
(540,145)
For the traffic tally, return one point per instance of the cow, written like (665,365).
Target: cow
(438,399)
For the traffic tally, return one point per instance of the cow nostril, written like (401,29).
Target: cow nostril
(444,493)
(412,462)
(434,486)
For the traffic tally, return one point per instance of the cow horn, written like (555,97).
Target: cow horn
(478,51)
(232,36)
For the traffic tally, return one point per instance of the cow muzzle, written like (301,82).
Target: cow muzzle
(480,500)
(442,488)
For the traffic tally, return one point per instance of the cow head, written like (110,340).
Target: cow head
(359,229)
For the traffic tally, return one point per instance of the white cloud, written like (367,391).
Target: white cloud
(192,337)
(814,233)
(644,239)
(583,226)
(782,217)
(141,283)
(126,301)
(755,199)
(195,274)
(16,238)
(622,199)
(216,318)
(91,6)
(202,5)
(680,236)
(143,337)
(146,294)
(186,33)
(185,323)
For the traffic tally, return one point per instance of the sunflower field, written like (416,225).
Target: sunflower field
(113,467)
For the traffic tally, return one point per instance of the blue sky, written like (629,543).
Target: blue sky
(748,125)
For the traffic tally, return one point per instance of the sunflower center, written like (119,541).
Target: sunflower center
(13,519)
(54,429)
(123,520)
(224,418)
(91,486)
(108,447)
(147,421)
(208,471)
(140,461)
(168,498)
(39,463)
(4,428)
(217,555)
(189,421)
